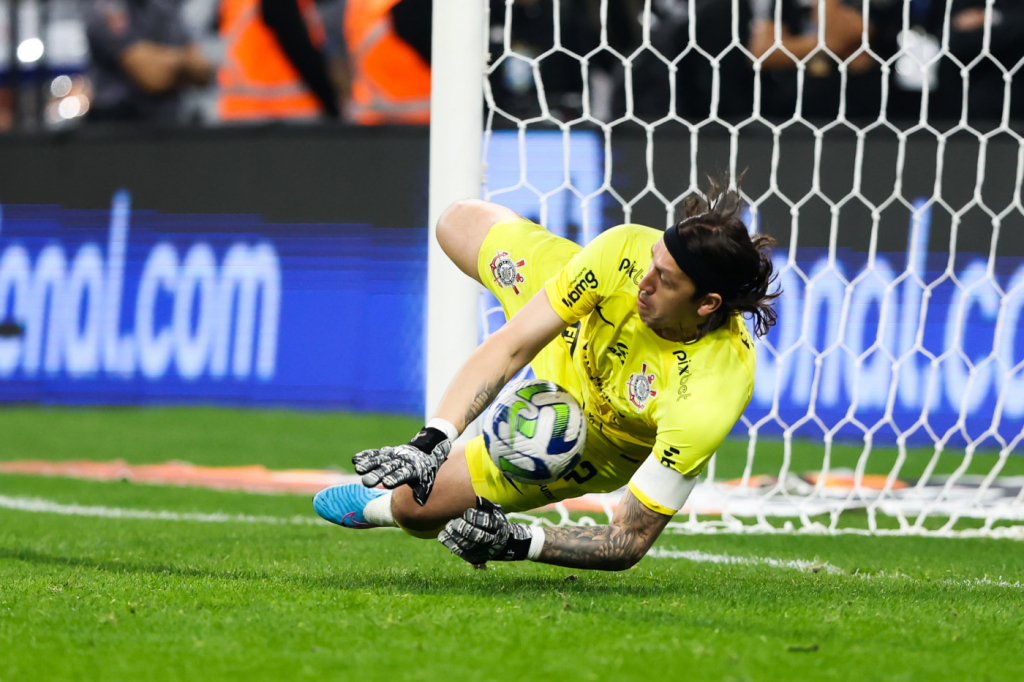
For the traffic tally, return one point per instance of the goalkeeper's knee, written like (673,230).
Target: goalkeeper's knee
(422,534)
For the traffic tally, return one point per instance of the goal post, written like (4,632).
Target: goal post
(458,54)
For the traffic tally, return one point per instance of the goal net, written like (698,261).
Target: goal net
(885,160)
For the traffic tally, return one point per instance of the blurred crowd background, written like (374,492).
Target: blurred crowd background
(70,63)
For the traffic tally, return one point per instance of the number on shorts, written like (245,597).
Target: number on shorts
(588,473)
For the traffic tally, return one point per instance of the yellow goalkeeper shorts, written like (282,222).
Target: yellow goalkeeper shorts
(516,259)
(604,468)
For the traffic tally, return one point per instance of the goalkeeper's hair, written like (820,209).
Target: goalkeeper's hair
(713,230)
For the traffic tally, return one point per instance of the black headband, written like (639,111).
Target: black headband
(705,278)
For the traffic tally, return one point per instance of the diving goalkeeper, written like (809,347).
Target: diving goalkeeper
(643,327)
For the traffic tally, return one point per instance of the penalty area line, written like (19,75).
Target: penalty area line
(705,558)
(40,506)
(802,565)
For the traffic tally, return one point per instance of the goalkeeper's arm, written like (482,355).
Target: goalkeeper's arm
(614,547)
(475,385)
(498,359)
(484,534)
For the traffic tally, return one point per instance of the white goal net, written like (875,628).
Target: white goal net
(877,143)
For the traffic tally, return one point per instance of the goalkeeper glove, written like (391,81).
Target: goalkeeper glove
(414,464)
(484,534)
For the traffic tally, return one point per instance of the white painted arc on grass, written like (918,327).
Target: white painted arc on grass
(705,558)
(34,504)
(812,566)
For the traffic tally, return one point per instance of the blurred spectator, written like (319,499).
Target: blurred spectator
(985,95)
(843,36)
(389,48)
(142,57)
(513,84)
(273,67)
(670,36)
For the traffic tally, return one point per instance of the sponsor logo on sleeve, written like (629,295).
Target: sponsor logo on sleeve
(505,271)
(683,367)
(584,281)
(669,457)
(639,386)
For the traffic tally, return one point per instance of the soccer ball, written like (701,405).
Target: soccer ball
(535,431)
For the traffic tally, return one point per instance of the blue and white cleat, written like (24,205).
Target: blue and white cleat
(344,504)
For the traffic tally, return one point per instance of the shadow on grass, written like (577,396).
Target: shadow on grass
(457,579)
(453,581)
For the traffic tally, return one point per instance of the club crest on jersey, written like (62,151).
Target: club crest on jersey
(506,271)
(639,385)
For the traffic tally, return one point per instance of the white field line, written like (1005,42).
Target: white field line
(40,506)
(812,567)
(34,504)
(705,558)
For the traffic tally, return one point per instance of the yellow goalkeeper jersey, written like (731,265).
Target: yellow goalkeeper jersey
(638,388)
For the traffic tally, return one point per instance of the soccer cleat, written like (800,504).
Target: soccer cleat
(344,504)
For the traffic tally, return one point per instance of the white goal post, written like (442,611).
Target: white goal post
(456,171)
(890,396)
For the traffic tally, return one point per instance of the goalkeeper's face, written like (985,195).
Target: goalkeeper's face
(666,302)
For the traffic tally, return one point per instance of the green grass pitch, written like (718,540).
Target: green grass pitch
(87,598)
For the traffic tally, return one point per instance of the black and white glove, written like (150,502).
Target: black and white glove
(414,464)
(484,534)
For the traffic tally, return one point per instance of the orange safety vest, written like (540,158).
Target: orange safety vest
(257,81)
(390,81)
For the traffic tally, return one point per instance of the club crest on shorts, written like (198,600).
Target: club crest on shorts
(639,385)
(506,271)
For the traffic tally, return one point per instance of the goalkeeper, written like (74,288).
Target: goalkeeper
(643,327)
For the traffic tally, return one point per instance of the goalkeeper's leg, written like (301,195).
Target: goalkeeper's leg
(462,228)
(355,506)
(452,495)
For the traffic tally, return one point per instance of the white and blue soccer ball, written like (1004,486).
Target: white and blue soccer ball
(535,431)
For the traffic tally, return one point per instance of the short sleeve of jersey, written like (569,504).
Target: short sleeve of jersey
(592,274)
(707,404)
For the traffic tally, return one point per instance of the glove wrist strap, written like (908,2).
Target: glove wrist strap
(428,438)
(517,549)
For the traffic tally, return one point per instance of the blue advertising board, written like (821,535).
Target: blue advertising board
(125,306)
(911,344)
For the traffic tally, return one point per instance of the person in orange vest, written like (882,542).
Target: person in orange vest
(273,68)
(389,54)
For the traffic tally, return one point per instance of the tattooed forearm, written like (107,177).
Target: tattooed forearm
(487,393)
(610,548)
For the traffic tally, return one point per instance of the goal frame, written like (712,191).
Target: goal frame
(458,57)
